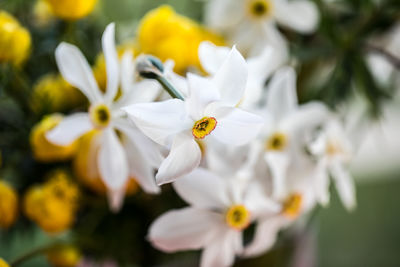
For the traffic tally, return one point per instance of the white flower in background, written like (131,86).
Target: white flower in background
(286,123)
(260,68)
(221,208)
(251,24)
(208,111)
(138,156)
(335,151)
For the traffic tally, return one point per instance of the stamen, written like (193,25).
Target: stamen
(100,116)
(238,217)
(292,206)
(277,142)
(259,8)
(204,127)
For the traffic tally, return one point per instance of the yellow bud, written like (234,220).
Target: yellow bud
(71,9)
(167,35)
(15,40)
(8,205)
(52,94)
(42,149)
(3,263)
(64,256)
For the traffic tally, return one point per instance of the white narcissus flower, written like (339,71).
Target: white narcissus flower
(132,154)
(251,24)
(260,68)
(208,111)
(285,124)
(335,151)
(221,208)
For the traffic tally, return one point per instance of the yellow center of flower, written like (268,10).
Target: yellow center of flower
(292,205)
(259,8)
(333,148)
(238,217)
(277,142)
(100,116)
(204,127)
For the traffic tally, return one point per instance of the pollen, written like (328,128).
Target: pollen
(259,8)
(333,148)
(277,142)
(238,217)
(204,127)
(292,205)
(100,116)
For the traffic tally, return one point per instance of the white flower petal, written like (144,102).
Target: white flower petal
(76,71)
(112,161)
(202,188)
(116,199)
(184,229)
(258,202)
(184,157)
(221,251)
(278,163)
(344,185)
(212,56)
(265,236)
(231,78)
(69,129)
(322,183)
(235,126)
(222,14)
(160,120)
(127,72)
(282,95)
(201,93)
(112,65)
(300,15)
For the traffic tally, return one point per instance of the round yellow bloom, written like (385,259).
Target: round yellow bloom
(15,40)
(42,149)
(167,35)
(42,13)
(71,9)
(52,94)
(3,263)
(53,205)
(85,165)
(8,205)
(64,256)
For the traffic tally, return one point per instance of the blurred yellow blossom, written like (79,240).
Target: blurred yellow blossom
(52,93)
(3,263)
(8,205)
(42,13)
(85,165)
(42,149)
(168,35)
(15,40)
(64,256)
(53,205)
(71,9)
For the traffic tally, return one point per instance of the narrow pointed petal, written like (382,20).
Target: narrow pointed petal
(112,65)
(282,95)
(344,185)
(127,72)
(278,163)
(231,78)
(160,120)
(235,126)
(69,129)
(212,56)
(322,183)
(112,161)
(76,71)
(116,199)
(184,157)
(184,229)
(202,188)
(301,15)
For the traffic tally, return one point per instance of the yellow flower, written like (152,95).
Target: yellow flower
(42,13)
(8,205)
(167,35)
(42,149)
(53,205)
(71,9)
(15,40)
(52,93)
(64,256)
(85,166)
(3,263)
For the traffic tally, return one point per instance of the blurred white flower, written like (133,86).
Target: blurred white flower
(251,24)
(335,151)
(117,161)
(210,109)
(221,208)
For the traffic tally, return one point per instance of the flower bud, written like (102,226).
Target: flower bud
(8,205)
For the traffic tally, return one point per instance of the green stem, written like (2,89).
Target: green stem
(169,88)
